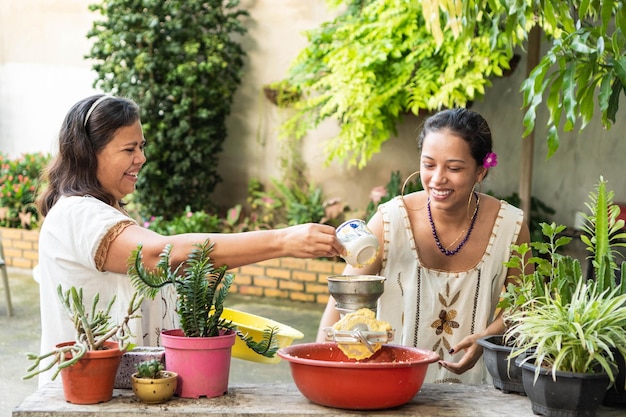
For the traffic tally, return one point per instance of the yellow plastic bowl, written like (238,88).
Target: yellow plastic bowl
(253,325)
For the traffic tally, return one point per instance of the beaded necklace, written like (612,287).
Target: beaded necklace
(443,250)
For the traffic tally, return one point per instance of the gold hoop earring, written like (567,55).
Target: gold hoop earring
(469,200)
(406,181)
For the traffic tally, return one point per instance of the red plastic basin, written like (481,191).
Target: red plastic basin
(390,378)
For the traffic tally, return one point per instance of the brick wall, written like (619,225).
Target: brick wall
(20,247)
(285,278)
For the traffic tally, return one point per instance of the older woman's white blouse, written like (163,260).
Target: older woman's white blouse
(73,243)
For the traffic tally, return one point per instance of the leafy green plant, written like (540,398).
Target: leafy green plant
(182,63)
(557,274)
(150,369)
(188,222)
(201,288)
(302,205)
(20,181)
(265,206)
(375,62)
(581,335)
(281,93)
(553,273)
(93,329)
(585,60)
(585,63)
(558,317)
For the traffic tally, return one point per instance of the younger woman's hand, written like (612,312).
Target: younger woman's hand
(472,351)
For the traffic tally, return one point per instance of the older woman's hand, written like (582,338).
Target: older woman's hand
(311,240)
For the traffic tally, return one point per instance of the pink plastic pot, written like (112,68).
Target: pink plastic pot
(390,378)
(202,363)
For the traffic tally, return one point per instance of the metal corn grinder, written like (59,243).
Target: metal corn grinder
(352,293)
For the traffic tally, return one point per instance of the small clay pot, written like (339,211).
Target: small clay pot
(157,390)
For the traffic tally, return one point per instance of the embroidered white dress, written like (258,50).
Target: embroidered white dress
(435,309)
(73,243)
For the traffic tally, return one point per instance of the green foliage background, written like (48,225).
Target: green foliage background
(179,61)
(20,181)
(379,59)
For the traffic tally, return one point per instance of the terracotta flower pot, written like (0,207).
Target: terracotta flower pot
(155,390)
(202,363)
(91,379)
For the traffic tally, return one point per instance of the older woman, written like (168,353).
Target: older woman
(87,237)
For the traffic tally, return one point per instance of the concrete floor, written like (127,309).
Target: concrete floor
(22,333)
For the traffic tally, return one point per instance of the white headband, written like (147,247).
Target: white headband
(93,107)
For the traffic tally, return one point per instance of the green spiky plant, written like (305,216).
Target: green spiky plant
(201,288)
(93,328)
(582,335)
(604,233)
(560,319)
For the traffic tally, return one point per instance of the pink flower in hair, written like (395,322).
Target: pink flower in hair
(491,160)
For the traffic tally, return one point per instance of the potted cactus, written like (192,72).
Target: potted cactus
(200,350)
(152,384)
(88,365)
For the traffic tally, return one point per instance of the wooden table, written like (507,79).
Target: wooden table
(283,400)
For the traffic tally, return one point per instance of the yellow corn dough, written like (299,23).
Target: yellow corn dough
(359,319)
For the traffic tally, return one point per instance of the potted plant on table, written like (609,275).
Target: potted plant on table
(551,273)
(152,384)
(570,349)
(88,364)
(571,332)
(200,351)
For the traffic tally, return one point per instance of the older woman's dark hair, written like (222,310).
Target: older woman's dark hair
(464,123)
(88,127)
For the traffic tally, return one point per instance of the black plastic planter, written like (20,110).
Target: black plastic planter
(506,376)
(571,395)
(616,395)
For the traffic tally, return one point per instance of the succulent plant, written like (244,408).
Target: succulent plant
(92,330)
(150,369)
(201,288)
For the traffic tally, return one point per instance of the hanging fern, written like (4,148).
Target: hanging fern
(201,288)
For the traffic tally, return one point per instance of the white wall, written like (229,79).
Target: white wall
(43,72)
